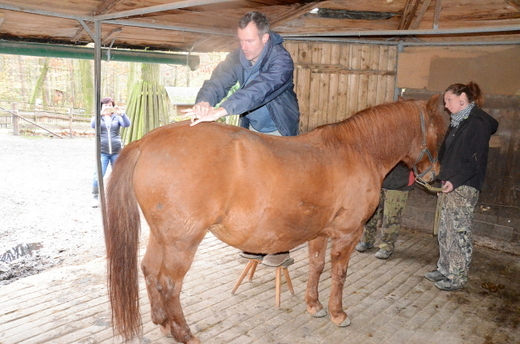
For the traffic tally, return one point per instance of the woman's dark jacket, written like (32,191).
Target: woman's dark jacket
(464,152)
(111,142)
(272,87)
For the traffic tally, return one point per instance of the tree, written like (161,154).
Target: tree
(87,85)
(38,88)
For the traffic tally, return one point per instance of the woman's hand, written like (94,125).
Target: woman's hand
(447,187)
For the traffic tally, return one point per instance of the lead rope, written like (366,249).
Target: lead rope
(428,186)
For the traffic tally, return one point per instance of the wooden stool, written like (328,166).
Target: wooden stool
(251,268)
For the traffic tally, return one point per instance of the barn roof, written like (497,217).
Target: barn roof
(210,25)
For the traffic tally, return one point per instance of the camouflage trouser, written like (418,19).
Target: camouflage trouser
(455,243)
(388,217)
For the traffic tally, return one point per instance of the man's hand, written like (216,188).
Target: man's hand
(203,112)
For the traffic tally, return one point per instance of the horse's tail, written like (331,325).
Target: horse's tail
(122,243)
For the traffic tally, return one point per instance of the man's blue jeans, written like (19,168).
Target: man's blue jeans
(105,160)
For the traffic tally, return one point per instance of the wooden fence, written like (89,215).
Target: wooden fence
(51,122)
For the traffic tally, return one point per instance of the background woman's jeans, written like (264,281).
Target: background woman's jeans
(105,160)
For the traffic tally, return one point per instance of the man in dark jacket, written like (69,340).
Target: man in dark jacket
(265,100)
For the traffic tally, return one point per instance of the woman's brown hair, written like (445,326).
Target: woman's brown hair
(472,91)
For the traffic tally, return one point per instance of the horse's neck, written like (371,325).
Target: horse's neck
(382,146)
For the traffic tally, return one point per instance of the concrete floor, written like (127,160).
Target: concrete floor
(387,301)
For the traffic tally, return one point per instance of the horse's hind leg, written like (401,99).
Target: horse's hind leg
(164,267)
(317,250)
(151,265)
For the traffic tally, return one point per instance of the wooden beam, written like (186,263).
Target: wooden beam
(514,3)
(339,69)
(418,18)
(80,32)
(297,12)
(111,35)
(437,14)
(410,8)
(107,6)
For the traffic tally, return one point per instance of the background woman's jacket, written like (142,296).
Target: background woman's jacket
(111,142)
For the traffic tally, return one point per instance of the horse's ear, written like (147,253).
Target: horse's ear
(433,104)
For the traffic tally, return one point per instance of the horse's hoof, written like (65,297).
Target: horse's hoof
(165,330)
(345,323)
(193,340)
(319,314)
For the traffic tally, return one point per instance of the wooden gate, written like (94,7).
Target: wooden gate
(334,81)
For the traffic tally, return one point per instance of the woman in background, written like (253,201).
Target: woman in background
(112,119)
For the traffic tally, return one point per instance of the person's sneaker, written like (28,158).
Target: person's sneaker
(363,246)
(435,276)
(276,259)
(95,203)
(383,254)
(249,255)
(448,285)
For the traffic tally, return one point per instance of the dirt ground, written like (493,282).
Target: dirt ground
(46,217)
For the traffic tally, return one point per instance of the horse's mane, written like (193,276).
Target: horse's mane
(375,129)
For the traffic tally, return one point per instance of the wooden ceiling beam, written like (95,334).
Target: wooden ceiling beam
(514,3)
(296,13)
(107,6)
(410,8)
(418,18)
(80,32)
(437,14)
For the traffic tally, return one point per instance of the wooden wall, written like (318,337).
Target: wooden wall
(334,81)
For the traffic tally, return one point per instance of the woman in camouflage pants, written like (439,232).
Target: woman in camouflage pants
(463,157)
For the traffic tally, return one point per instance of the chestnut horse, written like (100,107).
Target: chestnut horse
(258,193)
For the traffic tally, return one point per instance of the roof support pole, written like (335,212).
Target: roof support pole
(97,99)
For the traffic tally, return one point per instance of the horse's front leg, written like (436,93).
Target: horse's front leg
(317,250)
(341,251)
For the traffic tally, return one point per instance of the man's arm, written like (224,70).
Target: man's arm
(222,79)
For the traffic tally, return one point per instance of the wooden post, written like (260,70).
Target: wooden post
(15,120)
(70,122)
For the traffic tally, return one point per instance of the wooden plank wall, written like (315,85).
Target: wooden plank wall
(333,81)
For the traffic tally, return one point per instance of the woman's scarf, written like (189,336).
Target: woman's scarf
(458,117)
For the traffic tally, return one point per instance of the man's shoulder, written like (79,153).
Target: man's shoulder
(278,50)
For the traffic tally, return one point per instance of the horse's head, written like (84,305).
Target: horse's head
(433,128)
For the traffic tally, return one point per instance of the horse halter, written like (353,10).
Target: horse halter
(419,176)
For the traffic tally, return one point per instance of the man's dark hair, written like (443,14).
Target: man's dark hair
(259,19)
